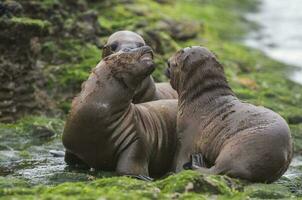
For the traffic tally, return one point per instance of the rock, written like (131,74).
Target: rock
(10,8)
(20,76)
(267,191)
(297,119)
(160,42)
(87,27)
(180,30)
(42,132)
(191,181)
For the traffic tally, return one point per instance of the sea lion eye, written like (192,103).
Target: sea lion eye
(139,44)
(113,46)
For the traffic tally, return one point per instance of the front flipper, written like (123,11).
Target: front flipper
(133,162)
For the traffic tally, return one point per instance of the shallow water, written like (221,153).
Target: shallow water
(280,33)
(27,157)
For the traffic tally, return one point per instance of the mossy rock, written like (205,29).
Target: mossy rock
(191,181)
(267,191)
(22,28)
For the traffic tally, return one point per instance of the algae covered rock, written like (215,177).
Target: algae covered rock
(20,76)
(180,30)
(267,191)
(190,181)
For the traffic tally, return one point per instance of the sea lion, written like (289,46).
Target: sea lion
(147,90)
(222,134)
(106,131)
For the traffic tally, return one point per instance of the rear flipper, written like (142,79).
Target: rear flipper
(141,177)
(198,164)
(197,161)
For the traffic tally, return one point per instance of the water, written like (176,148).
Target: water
(280,35)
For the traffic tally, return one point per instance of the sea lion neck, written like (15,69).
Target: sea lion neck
(202,83)
(101,82)
(146,90)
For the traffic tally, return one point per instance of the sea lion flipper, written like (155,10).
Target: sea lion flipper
(133,161)
(197,161)
(56,153)
(141,177)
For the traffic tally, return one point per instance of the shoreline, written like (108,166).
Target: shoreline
(271,38)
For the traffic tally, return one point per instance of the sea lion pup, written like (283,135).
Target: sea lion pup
(108,132)
(222,134)
(147,90)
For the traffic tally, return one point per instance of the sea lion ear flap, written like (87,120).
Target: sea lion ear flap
(185,64)
(106,51)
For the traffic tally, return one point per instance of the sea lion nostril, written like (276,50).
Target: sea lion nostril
(126,49)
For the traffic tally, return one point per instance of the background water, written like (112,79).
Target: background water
(280,35)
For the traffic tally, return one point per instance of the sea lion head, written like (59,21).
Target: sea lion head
(122,40)
(131,66)
(184,64)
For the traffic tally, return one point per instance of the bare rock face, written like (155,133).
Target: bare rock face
(20,77)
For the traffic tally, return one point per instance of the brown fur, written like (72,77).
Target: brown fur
(147,90)
(235,138)
(104,130)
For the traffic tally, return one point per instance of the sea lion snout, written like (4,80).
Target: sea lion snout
(121,40)
(143,55)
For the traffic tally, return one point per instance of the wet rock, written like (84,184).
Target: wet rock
(42,132)
(87,27)
(20,77)
(160,42)
(190,181)
(267,191)
(10,8)
(180,30)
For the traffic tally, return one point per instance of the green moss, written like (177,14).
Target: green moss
(253,77)
(80,58)
(195,182)
(25,125)
(265,191)
(42,24)
(296,131)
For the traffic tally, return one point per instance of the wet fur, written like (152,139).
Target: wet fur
(147,90)
(106,131)
(235,138)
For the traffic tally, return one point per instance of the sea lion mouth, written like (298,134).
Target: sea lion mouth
(146,54)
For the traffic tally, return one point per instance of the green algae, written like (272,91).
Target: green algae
(30,172)
(25,21)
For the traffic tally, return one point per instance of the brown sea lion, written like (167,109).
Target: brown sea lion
(106,131)
(222,134)
(147,90)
